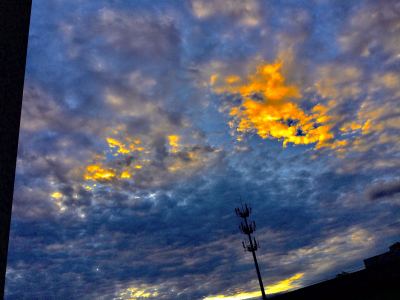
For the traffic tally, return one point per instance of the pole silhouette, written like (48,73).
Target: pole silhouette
(247,228)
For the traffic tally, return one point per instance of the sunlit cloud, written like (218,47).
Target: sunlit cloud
(129,159)
(363,103)
(174,141)
(126,175)
(239,296)
(333,251)
(336,82)
(142,291)
(270,109)
(284,285)
(122,158)
(280,286)
(96,172)
(124,147)
(56,195)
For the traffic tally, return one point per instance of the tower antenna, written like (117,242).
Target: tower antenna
(248,227)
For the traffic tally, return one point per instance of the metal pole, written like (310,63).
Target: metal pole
(256,263)
(248,229)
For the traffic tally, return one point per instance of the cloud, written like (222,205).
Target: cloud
(138,292)
(340,114)
(148,164)
(281,286)
(384,190)
(82,118)
(372,29)
(339,81)
(120,93)
(246,12)
(326,255)
(131,35)
(269,109)
(368,125)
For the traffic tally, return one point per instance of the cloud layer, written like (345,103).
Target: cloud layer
(144,124)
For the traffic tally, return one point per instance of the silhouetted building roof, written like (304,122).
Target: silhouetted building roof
(381,260)
(380,280)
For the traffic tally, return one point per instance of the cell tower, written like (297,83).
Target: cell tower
(248,227)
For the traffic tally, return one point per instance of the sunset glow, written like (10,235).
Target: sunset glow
(281,286)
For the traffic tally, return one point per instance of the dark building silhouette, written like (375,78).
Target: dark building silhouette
(379,280)
(385,259)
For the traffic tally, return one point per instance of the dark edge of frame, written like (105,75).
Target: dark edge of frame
(14,32)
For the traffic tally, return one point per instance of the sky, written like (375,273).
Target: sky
(145,123)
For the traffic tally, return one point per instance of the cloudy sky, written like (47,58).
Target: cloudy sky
(145,123)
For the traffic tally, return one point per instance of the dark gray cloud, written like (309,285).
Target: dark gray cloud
(384,190)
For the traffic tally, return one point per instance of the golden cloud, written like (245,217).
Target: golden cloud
(126,157)
(280,286)
(56,195)
(269,108)
(141,291)
(174,143)
(98,172)
(103,168)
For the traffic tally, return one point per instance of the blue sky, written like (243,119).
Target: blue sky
(145,122)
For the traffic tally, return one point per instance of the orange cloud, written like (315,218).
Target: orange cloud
(103,168)
(99,173)
(124,147)
(269,109)
(124,157)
